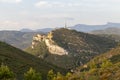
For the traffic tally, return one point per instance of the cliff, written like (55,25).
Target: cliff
(52,47)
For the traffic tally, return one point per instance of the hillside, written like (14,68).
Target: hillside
(18,39)
(103,67)
(113,55)
(20,61)
(79,42)
(76,48)
(111,33)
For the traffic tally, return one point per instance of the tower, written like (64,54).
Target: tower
(65,25)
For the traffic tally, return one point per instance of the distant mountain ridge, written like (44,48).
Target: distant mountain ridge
(78,27)
(111,30)
(44,30)
(89,28)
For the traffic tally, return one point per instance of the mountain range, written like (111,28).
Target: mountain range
(23,38)
(79,27)
(44,30)
(89,28)
(110,31)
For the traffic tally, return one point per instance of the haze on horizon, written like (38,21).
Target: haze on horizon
(36,14)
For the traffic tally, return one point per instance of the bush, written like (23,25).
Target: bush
(32,75)
(6,74)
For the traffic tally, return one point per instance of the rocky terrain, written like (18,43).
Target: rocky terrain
(50,44)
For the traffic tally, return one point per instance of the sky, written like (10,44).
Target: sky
(37,14)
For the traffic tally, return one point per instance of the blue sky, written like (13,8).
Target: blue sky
(36,14)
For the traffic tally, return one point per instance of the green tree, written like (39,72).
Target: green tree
(51,75)
(32,75)
(60,76)
(68,75)
(6,74)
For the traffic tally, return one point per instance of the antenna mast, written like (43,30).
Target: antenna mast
(65,24)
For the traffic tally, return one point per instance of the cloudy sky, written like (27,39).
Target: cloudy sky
(36,14)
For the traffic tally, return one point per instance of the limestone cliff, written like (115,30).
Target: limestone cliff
(52,47)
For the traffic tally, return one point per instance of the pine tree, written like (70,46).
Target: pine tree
(32,75)
(59,76)
(5,73)
(50,75)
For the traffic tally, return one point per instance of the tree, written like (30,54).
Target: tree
(68,75)
(6,74)
(32,75)
(59,76)
(50,75)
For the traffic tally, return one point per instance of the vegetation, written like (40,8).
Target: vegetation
(19,61)
(32,75)
(82,47)
(6,73)
(40,50)
(103,67)
(106,71)
(78,42)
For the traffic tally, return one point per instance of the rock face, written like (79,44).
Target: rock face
(37,38)
(53,48)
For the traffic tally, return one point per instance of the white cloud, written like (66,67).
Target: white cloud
(10,1)
(55,4)
(42,4)
(100,1)
(16,25)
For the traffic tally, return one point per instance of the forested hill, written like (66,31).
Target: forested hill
(103,67)
(81,47)
(79,42)
(20,61)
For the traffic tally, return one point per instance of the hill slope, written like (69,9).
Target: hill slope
(113,55)
(20,61)
(81,47)
(103,67)
(18,39)
(78,42)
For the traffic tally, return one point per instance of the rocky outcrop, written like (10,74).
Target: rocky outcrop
(53,48)
(37,38)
